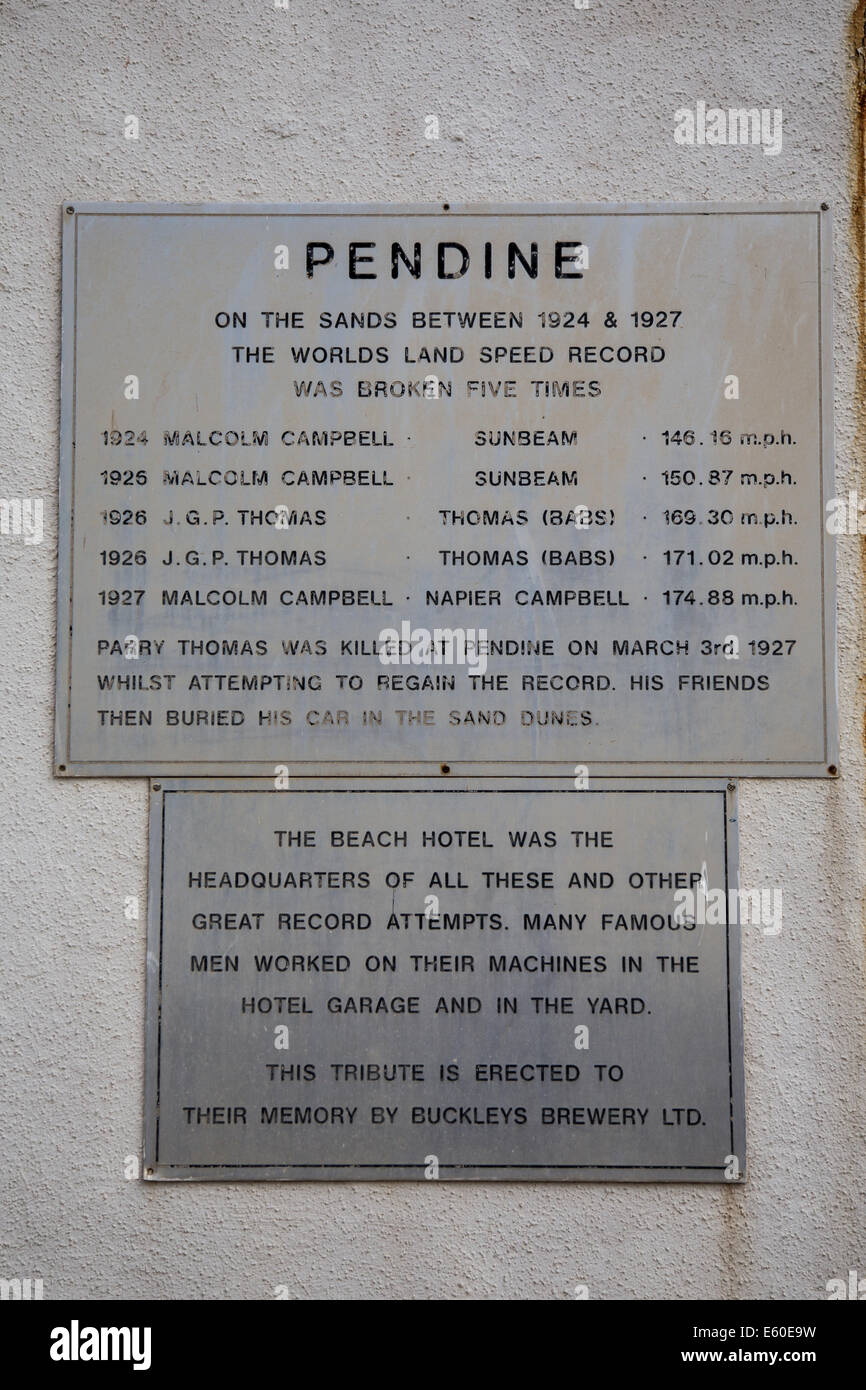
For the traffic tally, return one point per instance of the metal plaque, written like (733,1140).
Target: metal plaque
(488,981)
(367,489)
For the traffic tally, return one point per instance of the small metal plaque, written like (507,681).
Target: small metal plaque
(497,981)
(374,488)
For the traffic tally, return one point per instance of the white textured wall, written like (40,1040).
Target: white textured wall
(325,101)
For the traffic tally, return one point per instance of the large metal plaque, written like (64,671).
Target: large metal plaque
(368,488)
(486,981)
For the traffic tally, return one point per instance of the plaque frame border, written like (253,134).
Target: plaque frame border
(65,766)
(153,1170)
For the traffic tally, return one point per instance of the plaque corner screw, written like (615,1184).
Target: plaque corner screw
(69,211)
(732,786)
(833,770)
(825,207)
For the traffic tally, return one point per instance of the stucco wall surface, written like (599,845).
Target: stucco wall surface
(326,102)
